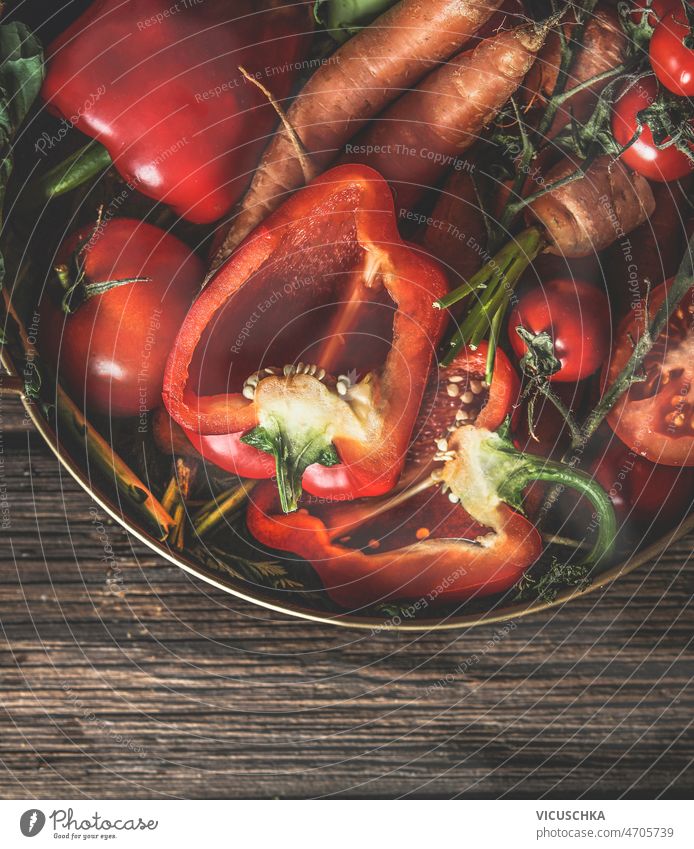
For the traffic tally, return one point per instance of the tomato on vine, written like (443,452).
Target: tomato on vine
(662,162)
(672,52)
(657,9)
(575,315)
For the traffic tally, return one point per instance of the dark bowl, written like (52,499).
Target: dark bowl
(13,385)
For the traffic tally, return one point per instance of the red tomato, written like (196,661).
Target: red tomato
(672,60)
(113,349)
(661,165)
(648,497)
(577,317)
(656,418)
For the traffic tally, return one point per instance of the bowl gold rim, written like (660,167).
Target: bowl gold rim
(12,385)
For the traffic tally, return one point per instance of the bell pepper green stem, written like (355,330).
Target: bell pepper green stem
(87,162)
(515,470)
(294,452)
(604,514)
(291,461)
(289,475)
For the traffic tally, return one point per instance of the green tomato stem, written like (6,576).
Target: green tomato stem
(543,387)
(515,207)
(100,287)
(591,81)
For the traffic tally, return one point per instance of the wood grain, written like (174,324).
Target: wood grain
(141,681)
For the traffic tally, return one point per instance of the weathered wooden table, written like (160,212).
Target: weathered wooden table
(144,682)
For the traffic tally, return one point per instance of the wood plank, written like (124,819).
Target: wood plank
(149,683)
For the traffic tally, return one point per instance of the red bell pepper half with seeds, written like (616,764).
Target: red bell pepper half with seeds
(453,528)
(311,346)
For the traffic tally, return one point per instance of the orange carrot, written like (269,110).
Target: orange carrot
(589,214)
(356,83)
(603,47)
(421,136)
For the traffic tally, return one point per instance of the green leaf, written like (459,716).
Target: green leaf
(21,75)
(21,71)
(558,575)
(294,452)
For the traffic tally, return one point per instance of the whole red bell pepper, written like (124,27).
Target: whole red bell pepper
(308,352)
(453,528)
(160,86)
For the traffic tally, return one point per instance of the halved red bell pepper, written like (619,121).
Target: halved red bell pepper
(452,530)
(160,86)
(312,343)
